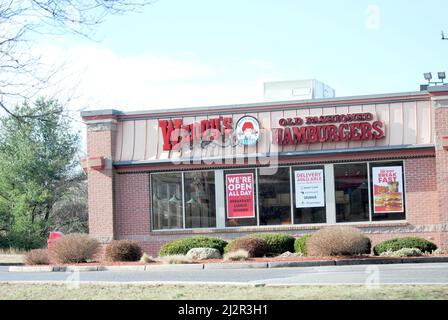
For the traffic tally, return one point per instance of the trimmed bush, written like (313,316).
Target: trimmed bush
(123,250)
(278,243)
(396,244)
(338,241)
(73,248)
(238,255)
(300,244)
(37,256)
(182,246)
(256,247)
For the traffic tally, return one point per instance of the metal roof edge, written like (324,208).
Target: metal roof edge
(103,112)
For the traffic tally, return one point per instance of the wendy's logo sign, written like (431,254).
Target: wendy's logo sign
(247,130)
(176,134)
(217,131)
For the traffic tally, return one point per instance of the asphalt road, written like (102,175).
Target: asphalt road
(425,273)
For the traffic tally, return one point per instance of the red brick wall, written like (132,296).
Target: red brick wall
(132,208)
(421,191)
(101,142)
(441,126)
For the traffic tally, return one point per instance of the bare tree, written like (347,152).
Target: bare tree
(21,74)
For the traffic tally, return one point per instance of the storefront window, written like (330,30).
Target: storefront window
(352,195)
(387,191)
(167,201)
(309,195)
(248,192)
(240,198)
(200,211)
(275,197)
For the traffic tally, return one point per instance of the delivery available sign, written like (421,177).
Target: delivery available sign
(240,195)
(387,189)
(309,188)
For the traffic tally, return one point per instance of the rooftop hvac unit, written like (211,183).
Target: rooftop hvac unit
(297,90)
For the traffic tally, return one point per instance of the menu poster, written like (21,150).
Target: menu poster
(309,188)
(387,189)
(240,195)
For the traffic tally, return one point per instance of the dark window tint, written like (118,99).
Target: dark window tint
(352,196)
(200,210)
(167,201)
(274,196)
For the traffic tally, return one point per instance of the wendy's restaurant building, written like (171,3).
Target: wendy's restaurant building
(379,163)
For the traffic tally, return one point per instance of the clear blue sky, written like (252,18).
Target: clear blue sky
(243,41)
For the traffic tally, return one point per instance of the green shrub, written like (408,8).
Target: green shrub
(123,250)
(396,244)
(278,243)
(73,248)
(182,246)
(338,241)
(300,244)
(256,247)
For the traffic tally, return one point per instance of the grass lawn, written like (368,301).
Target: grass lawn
(141,291)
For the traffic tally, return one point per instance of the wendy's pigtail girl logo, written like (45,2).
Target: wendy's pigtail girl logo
(247,130)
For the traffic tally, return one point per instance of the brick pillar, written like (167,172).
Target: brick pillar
(101,137)
(440,105)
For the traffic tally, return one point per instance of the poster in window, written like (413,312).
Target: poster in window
(309,188)
(387,189)
(240,195)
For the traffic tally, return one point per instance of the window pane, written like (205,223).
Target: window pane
(275,197)
(200,199)
(352,195)
(240,197)
(309,215)
(167,201)
(387,191)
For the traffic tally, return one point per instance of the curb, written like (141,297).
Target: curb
(31,269)
(228,266)
(121,268)
(425,260)
(295,264)
(351,262)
